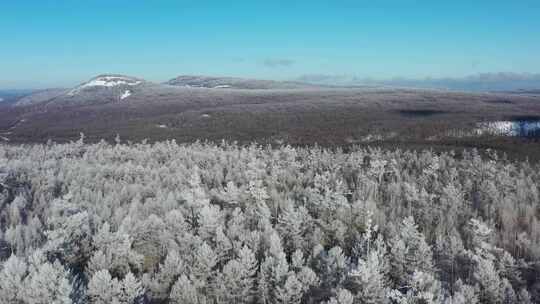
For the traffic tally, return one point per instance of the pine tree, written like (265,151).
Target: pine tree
(11,280)
(369,277)
(70,236)
(48,283)
(131,290)
(464,294)
(103,289)
(169,271)
(291,292)
(343,296)
(487,277)
(409,253)
(185,292)
(424,288)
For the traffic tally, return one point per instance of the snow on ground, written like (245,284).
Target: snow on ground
(205,115)
(511,128)
(162,126)
(508,128)
(223,86)
(126,94)
(110,81)
(106,81)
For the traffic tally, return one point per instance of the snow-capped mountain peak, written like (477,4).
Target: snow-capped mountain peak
(107,81)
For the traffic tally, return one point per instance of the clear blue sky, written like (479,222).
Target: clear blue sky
(60,43)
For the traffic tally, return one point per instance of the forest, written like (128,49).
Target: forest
(206,223)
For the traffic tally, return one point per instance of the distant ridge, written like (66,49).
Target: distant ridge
(103,88)
(112,88)
(194,81)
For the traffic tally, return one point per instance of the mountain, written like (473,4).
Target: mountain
(233,83)
(102,89)
(115,88)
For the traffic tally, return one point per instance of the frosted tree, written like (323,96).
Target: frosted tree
(447,251)
(103,289)
(98,261)
(223,246)
(235,283)
(185,292)
(369,279)
(334,266)
(424,288)
(147,239)
(202,271)
(48,283)
(273,270)
(115,254)
(409,252)
(70,236)
(169,271)
(343,296)
(487,276)
(208,221)
(258,212)
(290,227)
(11,280)
(464,294)
(291,292)
(247,259)
(131,290)
(205,223)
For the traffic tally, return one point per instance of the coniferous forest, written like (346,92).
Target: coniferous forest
(204,223)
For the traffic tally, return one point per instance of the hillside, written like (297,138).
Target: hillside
(8,97)
(135,109)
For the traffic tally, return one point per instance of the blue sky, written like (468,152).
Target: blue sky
(61,43)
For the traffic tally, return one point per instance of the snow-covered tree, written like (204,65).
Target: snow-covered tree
(205,223)
(185,292)
(103,289)
(12,275)
(409,253)
(369,278)
(291,292)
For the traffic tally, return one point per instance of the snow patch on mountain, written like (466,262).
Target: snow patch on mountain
(111,81)
(126,94)
(106,82)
